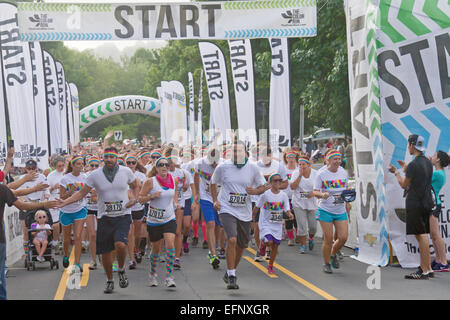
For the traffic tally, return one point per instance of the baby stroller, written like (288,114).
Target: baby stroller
(49,254)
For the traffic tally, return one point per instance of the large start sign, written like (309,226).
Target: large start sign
(188,20)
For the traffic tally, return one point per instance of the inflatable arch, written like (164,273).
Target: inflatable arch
(118,105)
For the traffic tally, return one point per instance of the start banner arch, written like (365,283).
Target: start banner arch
(118,105)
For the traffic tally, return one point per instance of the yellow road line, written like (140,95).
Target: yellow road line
(85,276)
(260,267)
(65,276)
(300,280)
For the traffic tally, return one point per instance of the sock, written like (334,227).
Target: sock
(170,255)
(290,234)
(143,243)
(204,231)
(185,238)
(195,229)
(25,247)
(153,261)
(231,272)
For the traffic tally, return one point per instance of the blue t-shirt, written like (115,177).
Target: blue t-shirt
(438,182)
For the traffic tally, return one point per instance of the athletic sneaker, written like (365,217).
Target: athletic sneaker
(40,259)
(123,280)
(194,241)
(214,261)
(114,267)
(138,257)
(267,257)
(177,264)
(226,278)
(132,265)
(430,273)
(302,249)
(205,244)
(258,257)
(221,254)
(270,269)
(291,242)
(311,244)
(65,262)
(186,247)
(153,282)
(327,268)
(109,286)
(417,275)
(170,283)
(439,267)
(79,268)
(335,261)
(232,283)
(93,265)
(340,255)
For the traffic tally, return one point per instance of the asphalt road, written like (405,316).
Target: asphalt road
(298,277)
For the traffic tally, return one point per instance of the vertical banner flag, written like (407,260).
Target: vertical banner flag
(280,104)
(216,80)
(70,114)
(41,149)
(76,111)
(18,83)
(199,111)
(413,54)
(168,110)
(62,104)
(366,132)
(162,124)
(3,132)
(54,113)
(191,109)
(244,88)
(180,115)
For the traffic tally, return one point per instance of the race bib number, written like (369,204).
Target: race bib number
(238,199)
(207,188)
(156,214)
(304,195)
(337,200)
(113,207)
(179,194)
(276,217)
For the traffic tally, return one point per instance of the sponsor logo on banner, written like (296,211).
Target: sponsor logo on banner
(294,17)
(42,22)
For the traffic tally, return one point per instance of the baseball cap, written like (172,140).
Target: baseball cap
(417,141)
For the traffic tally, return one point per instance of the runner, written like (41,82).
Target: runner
(137,214)
(204,169)
(328,186)
(53,179)
(234,206)
(274,205)
(114,213)
(73,214)
(91,219)
(161,190)
(304,202)
(290,159)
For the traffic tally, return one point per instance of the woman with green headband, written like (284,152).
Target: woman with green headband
(75,213)
(332,210)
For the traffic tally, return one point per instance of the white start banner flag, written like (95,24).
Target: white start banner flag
(18,85)
(164,21)
(179,134)
(3,133)
(191,118)
(217,83)
(280,104)
(62,105)
(69,108)
(76,111)
(199,111)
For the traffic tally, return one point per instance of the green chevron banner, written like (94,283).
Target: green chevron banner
(193,20)
(399,54)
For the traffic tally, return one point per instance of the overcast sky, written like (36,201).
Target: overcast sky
(121,45)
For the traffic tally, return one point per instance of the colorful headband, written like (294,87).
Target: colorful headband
(93,159)
(274,174)
(131,157)
(162,158)
(304,160)
(156,152)
(172,158)
(144,154)
(121,161)
(76,159)
(333,154)
(294,154)
(111,153)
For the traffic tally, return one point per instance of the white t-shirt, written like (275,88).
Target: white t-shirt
(141,177)
(272,207)
(112,197)
(306,185)
(274,167)
(190,169)
(54,178)
(41,235)
(205,170)
(233,197)
(89,204)
(67,182)
(288,190)
(180,176)
(161,210)
(38,195)
(334,183)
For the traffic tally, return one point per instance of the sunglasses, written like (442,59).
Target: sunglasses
(131,162)
(95,165)
(160,165)
(42,217)
(155,157)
